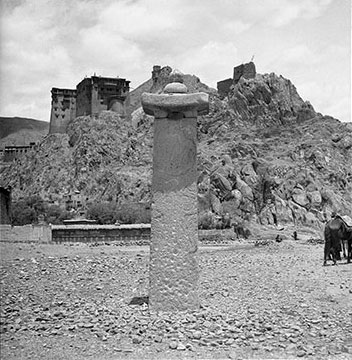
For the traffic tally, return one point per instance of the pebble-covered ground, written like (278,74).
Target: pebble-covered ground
(260,302)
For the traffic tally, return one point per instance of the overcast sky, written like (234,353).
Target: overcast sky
(55,43)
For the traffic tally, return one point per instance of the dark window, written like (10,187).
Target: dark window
(66,104)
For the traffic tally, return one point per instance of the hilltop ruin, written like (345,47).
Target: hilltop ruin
(247,71)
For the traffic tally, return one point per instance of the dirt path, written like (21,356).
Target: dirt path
(74,302)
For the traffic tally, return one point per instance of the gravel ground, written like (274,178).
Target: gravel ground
(272,301)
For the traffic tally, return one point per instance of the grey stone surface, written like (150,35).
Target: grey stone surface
(164,105)
(175,87)
(174,272)
(174,154)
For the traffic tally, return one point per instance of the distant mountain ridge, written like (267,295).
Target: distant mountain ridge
(21,131)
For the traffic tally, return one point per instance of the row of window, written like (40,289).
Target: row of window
(105,89)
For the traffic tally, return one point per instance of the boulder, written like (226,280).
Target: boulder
(249,175)
(315,199)
(227,168)
(247,207)
(336,137)
(331,200)
(346,142)
(311,220)
(347,219)
(244,188)
(283,211)
(237,195)
(285,189)
(298,213)
(267,215)
(221,183)
(204,202)
(299,196)
(215,204)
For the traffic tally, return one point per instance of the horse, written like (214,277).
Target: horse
(337,233)
(344,242)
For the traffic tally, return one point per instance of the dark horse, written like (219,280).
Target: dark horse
(337,233)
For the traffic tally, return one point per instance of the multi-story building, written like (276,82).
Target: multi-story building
(97,93)
(91,96)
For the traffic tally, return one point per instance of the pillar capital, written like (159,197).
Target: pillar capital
(175,100)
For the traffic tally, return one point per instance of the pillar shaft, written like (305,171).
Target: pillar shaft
(174,273)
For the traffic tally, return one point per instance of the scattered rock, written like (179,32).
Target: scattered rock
(181,347)
(173,345)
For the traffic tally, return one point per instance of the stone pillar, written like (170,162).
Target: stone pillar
(174,271)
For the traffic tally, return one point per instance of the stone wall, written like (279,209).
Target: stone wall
(249,70)
(84,97)
(99,233)
(13,152)
(74,233)
(26,233)
(244,70)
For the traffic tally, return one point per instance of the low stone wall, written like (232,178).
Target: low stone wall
(26,233)
(100,233)
(95,233)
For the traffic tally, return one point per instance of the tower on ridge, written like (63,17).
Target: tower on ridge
(63,109)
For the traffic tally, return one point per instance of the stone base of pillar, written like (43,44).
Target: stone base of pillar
(174,272)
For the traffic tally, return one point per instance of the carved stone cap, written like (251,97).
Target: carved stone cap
(175,100)
(175,87)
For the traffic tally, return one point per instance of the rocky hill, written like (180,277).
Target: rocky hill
(21,131)
(276,160)
(104,159)
(264,157)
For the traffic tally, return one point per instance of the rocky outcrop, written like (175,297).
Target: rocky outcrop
(269,100)
(291,164)
(274,187)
